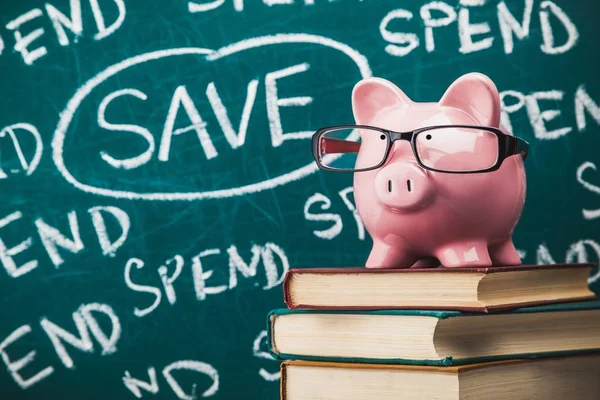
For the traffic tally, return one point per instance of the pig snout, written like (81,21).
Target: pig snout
(403,187)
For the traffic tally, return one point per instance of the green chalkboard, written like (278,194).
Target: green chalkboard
(156,179)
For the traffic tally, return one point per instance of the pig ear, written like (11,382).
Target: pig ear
(371,95)
(476,95)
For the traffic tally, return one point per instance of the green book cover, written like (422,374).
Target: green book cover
(440,314)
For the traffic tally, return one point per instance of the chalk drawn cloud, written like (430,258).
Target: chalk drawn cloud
(67,116)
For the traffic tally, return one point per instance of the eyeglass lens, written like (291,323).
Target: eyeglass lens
(457,149)
(447,149)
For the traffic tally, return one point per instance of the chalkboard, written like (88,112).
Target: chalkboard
(157,181)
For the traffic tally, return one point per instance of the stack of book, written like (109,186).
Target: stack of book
(528,332)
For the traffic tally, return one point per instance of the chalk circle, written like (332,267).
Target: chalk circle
(67,115)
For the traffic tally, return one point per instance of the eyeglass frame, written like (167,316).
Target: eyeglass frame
(507,146)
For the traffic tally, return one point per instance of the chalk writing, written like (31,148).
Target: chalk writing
(325,204)
(181,97)
(588,214)
(576,253)
(86,325)
(27,37)
(198,6)
(270,256)
(437,16)
(55,241)
(27,164)
(260,350)
(137,385)
(513,101)
(153,105)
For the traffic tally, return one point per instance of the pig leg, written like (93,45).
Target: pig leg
(505,253)
(386,256)
(464,255)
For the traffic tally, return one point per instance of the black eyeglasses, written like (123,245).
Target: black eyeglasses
(458,149)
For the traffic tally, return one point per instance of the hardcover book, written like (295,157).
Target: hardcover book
(557,378)
(428,337)
(467,289)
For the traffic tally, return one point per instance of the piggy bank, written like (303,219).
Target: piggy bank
(434,183)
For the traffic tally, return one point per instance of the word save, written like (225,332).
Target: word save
(181,101)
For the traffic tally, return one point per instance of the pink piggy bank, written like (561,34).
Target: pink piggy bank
(432,181)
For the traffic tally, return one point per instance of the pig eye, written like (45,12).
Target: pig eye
(428,137)
(382,137)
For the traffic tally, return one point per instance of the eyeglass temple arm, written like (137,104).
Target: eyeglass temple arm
(329,146)
(522,147)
